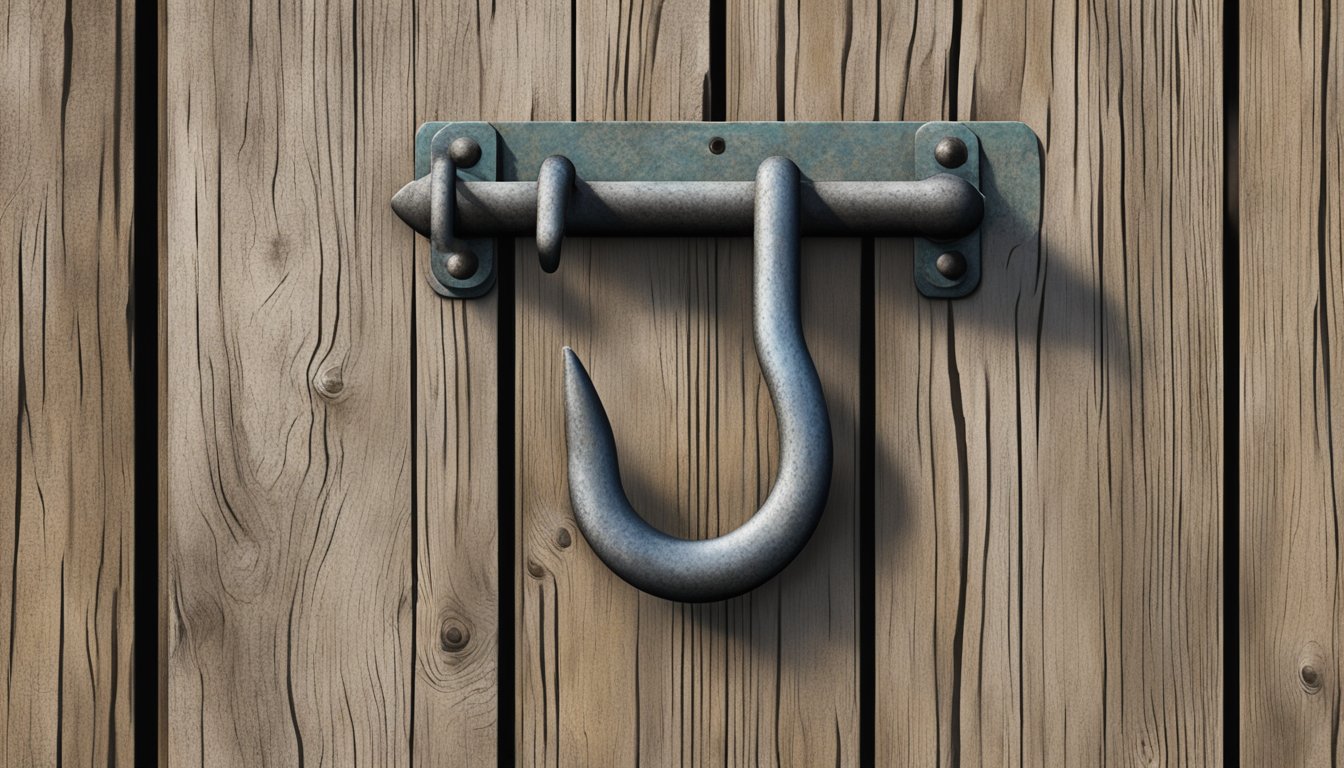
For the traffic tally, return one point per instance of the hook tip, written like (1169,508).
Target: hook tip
(575,373)
(579,387)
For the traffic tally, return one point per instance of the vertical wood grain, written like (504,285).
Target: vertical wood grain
(1049,466)
(1292,409)
(66,310)
(287,520)
(609,676)
(512,63)
(813,61)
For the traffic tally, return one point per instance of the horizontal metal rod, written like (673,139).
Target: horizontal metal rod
(941,207)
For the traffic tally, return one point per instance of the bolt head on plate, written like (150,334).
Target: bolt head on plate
(951,264)
(951,152)
(462,264)
(464,151)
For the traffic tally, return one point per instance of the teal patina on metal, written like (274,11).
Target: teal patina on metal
(1002,160)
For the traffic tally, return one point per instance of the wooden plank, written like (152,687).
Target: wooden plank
(799,62)
(287,520)
(608,675)
(66,459)
(510,64)
(1292,409)
(1049,451)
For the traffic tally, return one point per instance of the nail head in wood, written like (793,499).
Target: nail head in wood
(330,382)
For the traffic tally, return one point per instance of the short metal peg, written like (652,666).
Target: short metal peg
(555,181)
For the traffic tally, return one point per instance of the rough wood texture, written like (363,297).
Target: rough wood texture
(1048,471)
(1049,452)
(606,675)
(287,518)
(65,382)
(510,64)
(1292,458)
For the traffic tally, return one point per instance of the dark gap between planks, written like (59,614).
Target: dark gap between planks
(142,311)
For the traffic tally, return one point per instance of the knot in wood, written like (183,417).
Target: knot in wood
(1311,679)
(1311,665)
(454,637)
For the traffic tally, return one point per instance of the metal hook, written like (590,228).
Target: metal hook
(555,180)
(739,561)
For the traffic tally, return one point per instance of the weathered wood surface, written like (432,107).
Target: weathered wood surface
(287,522)
(1292,410)
(1048,468)
(606,675)
(510,64)
(66,457)
(1049,452)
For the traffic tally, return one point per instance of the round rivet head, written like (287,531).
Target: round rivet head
(464,151)
(951,264)
(462,264)
(950,152)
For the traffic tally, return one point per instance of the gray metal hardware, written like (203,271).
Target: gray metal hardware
(940,207)
(555,186)
(777,181)
(739,561)
(859,179)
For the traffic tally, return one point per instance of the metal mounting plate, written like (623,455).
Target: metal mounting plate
(1003,161)
(433,138)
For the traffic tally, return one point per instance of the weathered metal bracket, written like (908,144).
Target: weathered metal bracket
(944,183)
(435,140)
(477,181)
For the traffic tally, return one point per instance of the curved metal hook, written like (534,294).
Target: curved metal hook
(739,561)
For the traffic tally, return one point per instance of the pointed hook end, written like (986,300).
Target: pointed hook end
(592,446)
(575,374)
